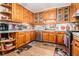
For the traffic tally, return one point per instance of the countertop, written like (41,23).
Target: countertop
(10,31)
(51,31)
(75,33)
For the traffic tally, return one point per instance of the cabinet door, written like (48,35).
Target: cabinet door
(59,15)
(52,37)
(75,48)
(14,16)
(25,15)
(60,38)
(17,12)
(66,13)
(19,40)
(33,35)
(52,14)
(77,5)
(45,36)
(72,11)
(28,37)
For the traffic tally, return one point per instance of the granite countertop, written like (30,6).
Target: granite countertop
(9,31)
(75,33)
(51,31)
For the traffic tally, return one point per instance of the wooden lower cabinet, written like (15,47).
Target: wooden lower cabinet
(60,38)
(28,38)
(75,48)
(23,38)
(45,36)
(52,37)
(32,35)
(19,40)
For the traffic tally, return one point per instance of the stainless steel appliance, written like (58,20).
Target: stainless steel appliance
(68,41)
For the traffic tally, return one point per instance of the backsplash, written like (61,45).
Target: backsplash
(58,27)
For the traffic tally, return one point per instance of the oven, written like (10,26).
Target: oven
(68,41)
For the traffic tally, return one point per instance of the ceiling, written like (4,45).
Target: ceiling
(38,7)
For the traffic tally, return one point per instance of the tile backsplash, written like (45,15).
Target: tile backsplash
(58,27)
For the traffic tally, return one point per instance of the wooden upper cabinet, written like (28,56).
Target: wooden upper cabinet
(59,15)
(20,14)
(25,15)
(49,14)
(63,14)
(52,14)
(73,8)
(77,5)
(17,12)
(66,12)
(72,12)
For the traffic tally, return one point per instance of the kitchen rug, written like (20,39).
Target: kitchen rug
(60,52)
(25,47)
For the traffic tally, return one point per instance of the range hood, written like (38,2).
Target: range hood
(76,14)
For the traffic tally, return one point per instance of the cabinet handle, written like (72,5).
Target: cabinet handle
(76,45)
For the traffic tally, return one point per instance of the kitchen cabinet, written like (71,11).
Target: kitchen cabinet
(60,37)
(25,16)
(17,12)
(45,36)
(19,40)
(72,12)
(66,13)
(75,46)
(52,37)
(77,5)
(59,15)
(52,14)
(32,34)
(49,14)
(75,49)
(20,14)
(28,37)
(63,14)
(73,8)
(23,38)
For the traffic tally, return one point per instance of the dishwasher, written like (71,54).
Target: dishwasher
(38,35)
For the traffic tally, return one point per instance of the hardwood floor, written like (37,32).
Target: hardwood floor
(37,49)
